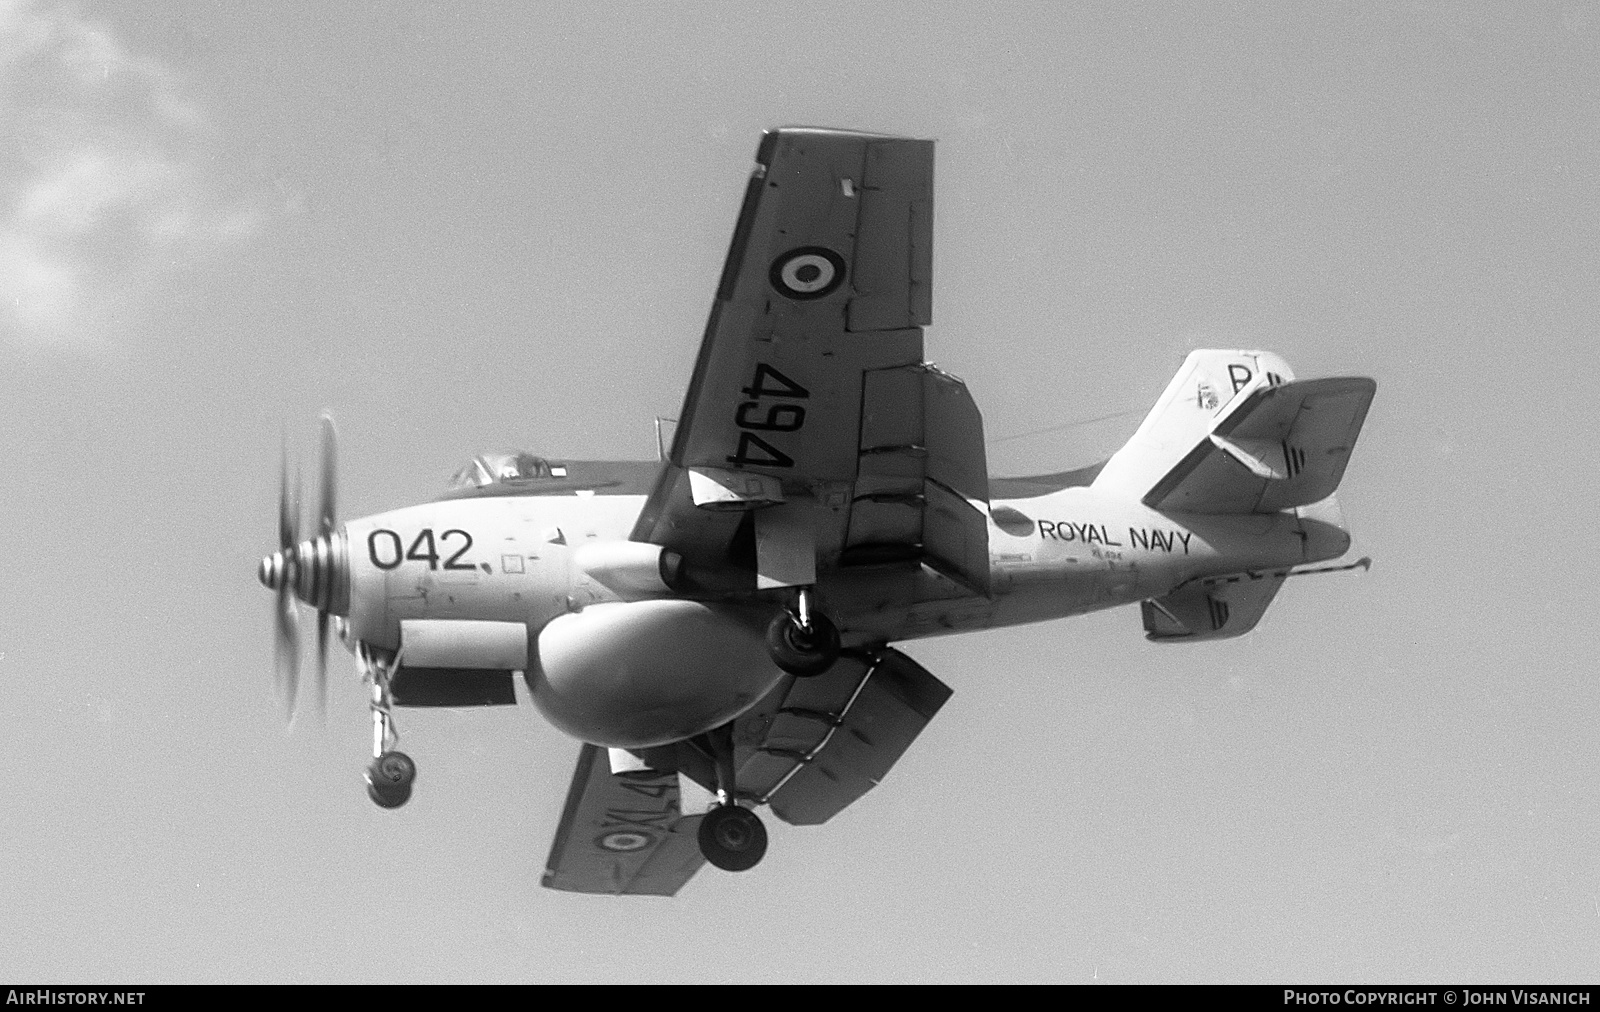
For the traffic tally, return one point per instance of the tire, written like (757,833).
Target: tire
(392,771)
(732,838)
(388,797)
(802,653)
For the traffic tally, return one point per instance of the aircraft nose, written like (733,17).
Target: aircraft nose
(317,571)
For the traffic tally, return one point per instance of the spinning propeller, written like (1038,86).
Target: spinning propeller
(314,571)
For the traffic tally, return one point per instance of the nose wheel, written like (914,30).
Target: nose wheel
(803,642)
(391,772)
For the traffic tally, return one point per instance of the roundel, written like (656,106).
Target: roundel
(625,840)
(809,272)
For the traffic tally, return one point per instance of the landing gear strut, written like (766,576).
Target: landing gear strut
(803,643)
(391,773)
(731,836)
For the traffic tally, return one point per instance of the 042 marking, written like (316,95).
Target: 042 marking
(424,548)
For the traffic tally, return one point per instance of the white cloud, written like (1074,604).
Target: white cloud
(102,190)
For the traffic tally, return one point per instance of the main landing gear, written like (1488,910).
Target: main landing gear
(389,779)
(391,772)
(803,642)
(731,836)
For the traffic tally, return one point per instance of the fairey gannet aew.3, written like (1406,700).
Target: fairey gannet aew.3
(715,626)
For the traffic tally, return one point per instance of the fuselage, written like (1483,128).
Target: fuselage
(618,653)
(510,557)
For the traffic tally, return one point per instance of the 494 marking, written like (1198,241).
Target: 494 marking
(384,549)
(762,415)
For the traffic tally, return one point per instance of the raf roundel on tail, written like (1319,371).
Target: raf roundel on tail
(719,637)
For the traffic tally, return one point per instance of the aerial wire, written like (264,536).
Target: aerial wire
(661,451)
(1068,425)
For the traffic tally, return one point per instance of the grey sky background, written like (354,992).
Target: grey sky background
(500,226)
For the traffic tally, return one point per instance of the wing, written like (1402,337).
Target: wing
(817,744)
(813,435)
(622,833)
(809,749)
(812,746)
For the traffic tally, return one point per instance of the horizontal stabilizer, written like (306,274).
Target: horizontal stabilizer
(1214,608)
(1210,385)
(1283,446)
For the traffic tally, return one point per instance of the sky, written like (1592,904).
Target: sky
(474,227)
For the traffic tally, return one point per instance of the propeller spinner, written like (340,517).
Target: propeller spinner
(315,571)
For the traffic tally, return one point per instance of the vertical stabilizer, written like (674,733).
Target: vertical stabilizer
(1209,385)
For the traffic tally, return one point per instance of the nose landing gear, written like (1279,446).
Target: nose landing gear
(803,643)
(391,772)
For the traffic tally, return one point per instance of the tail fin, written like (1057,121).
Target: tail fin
(1208,384)
(1236,433)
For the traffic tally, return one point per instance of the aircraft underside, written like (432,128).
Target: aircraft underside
(715,627)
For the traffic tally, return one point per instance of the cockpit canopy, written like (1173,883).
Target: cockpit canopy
(505,468)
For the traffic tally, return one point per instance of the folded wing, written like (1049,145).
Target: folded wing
(622,833)
(810,406)
(809,750)
(813,746)
(817,744)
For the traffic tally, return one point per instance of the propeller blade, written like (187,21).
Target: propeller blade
(322,664)
(285,568)
(286,617)
(288,525)
(286,643)
(327,465)
(327,475)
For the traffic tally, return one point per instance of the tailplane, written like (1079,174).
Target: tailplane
(1235,432)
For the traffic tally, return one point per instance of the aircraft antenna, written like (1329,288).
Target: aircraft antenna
(1067,425)
(661,446)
